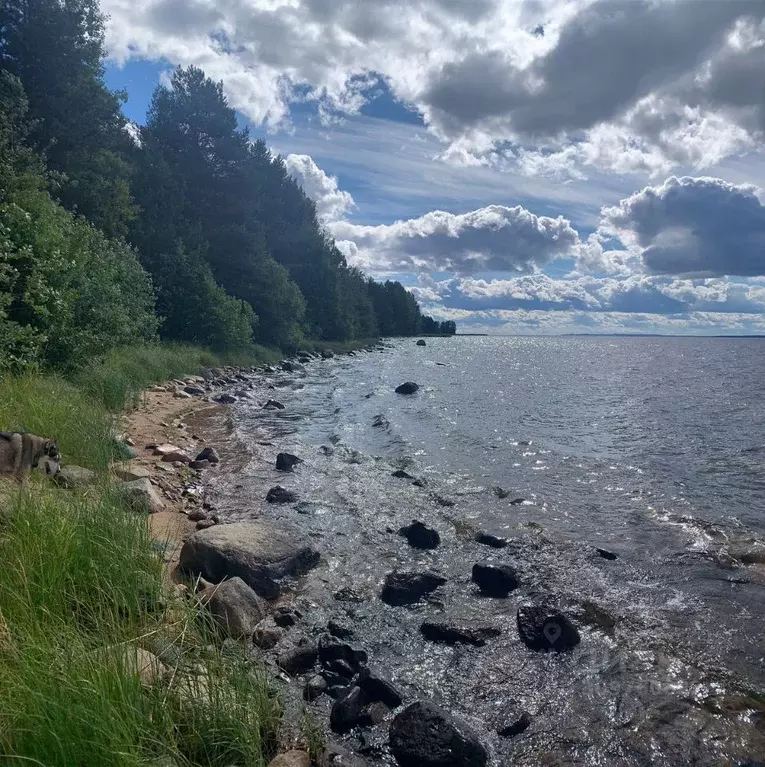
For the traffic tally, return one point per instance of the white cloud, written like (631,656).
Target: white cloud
(332,202)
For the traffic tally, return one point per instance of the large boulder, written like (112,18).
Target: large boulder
(424,735)
(379,688)
(421,342)
(408,387)
(279,494)
(542,627)
(420,536)
(287,461)
(235,606)
(140,494)
(495,579)
(130,473)
(261,553)
(459,632)
(406,588)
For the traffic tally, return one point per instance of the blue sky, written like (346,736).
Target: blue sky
(604,175)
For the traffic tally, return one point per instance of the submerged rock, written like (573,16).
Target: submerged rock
(421,342)
(409,387)
(459,632)
(380,421)
(513,722)
(406,588)
(273,404)
(420,536)
(543,627)
(208,454)
(494,580)
(235,606)
(327,354)
(279,494)
(424,735)
(287,461)
(401,474)
(488,539)
(606,554)
(261,553)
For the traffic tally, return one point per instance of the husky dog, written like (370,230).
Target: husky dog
(20,453)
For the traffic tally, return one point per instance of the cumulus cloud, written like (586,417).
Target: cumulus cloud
(494,238)
(631,86)
(332,202)
(691,226)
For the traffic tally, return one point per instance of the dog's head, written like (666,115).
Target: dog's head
(50,457)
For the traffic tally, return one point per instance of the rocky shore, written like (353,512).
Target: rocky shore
(251,575)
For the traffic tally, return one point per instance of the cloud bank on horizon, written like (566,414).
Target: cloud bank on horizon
(662,101)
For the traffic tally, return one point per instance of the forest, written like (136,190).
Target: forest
(184,229)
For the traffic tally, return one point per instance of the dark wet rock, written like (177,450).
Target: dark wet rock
(326,450)
(267,634)
(286,616)
(273,404)
(347,711)
(424,735)
(196,515)
(208,454)
(337,756)
(339,630)
(195,391)
(287,461)
(332,649)
(593,614)
(237,609)
(291,367)
(494,579)
(349,594)
(420,483)
(606,554)
(380,421)
(374,714)
(298,657)
(379,688)
(200,465)
(279,494)
(459,632)
(409,387)
(513,722)
(542,627)
(304,360)
(500,492)
(206,524)
(406,588)
(327,354)
(443,501)
(752,555)
(261,553)
(421,342)
(314,687)
(401,474)
(242,394)
(420,536)
(224,399)
(342,669)
(488,539)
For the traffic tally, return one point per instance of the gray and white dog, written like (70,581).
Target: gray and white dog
(22,452)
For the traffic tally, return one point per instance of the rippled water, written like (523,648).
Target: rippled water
(651,448)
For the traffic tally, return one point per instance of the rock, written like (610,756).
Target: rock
(348,594)
(73,477)
(339,630)
(517,501)
(140,494)
(208,454)
(291,759)
(420,483)
(286,616)
(235,606)
(291,367)
(327,354)
(287,461)
(178,456)
(195,391)
(332,649)
(459,632)
(420,536)
(196,515)
(273,404)
(374,714)
(145,664)
(495,541)
(406,588)
(342,669)
(200,465)
(180,394)
(260,552)
(401,474)
(314,687)
(542,627)
(495,580)
(421,342)
(500,492)
(206,524)
(267,634)
(224,399)
(606,554)
(378,688)
(424,735)
(242,393)
(299,657)
(348,711)
(514,721)
(337,756)
(380,422)
(409,387)
(279,494)
(131,473)
(443,501)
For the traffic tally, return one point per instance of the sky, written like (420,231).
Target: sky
(523,166)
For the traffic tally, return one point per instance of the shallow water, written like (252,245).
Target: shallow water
(651,448)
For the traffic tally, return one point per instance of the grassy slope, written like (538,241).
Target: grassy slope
(81,589)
